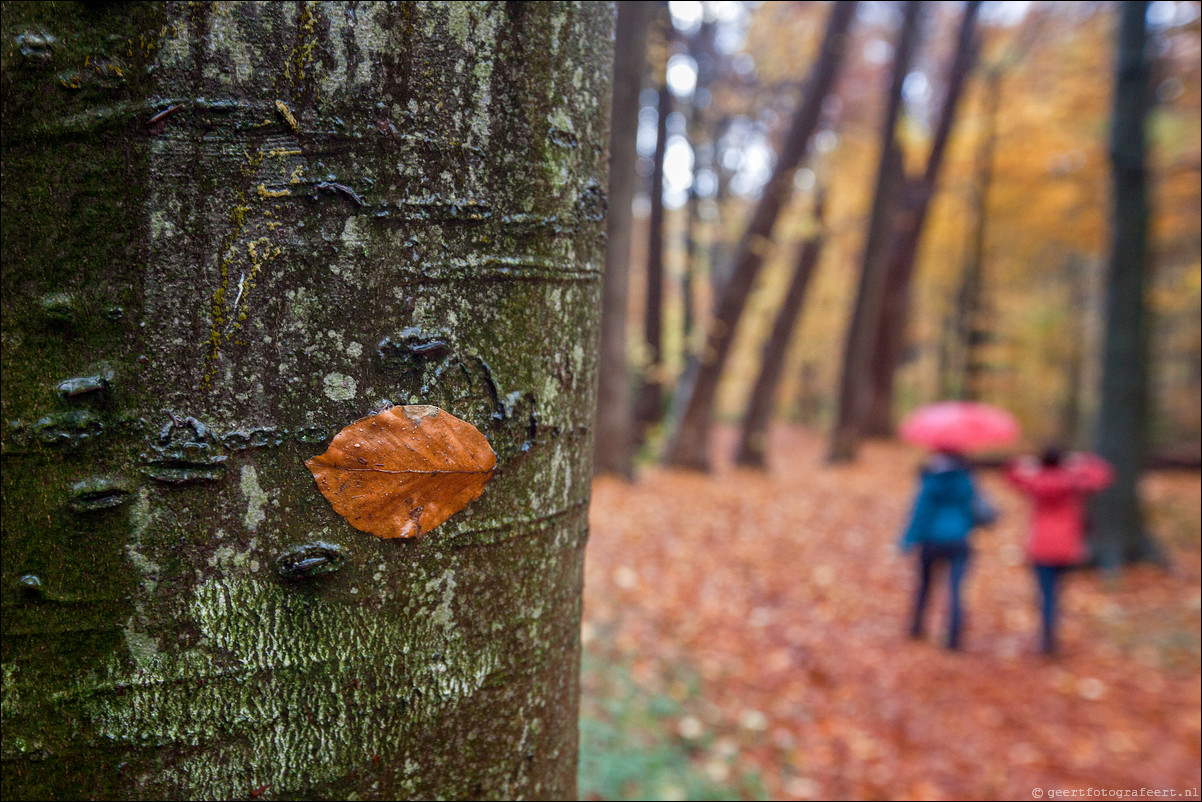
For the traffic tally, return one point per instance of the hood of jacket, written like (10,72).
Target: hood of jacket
(947,480)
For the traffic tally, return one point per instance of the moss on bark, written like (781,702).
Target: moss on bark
(247,225)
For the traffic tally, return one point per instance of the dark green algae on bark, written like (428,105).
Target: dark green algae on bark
(231,229)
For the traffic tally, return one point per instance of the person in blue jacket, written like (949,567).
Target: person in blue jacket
(947,509)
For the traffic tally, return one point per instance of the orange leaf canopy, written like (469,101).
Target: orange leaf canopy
(404,471)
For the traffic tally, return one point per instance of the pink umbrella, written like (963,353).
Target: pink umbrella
(959,426)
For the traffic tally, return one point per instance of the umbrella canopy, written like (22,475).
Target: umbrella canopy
(959,426)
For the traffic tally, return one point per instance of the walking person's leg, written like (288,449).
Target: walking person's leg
(957,557)
(925,565)
(1048,577)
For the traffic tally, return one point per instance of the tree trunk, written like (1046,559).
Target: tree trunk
(1072,407)
(650,400)
(809,396)
(902,253)
(721,250)
(615,416)
(689,444)
(690,271)
(866,314)
(968,325)
(754,434)
(704,53)
(1121,436)
(230,230)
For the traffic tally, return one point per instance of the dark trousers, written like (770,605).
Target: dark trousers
(1048,577)
(931,556)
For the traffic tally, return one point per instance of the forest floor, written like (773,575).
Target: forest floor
(745,637)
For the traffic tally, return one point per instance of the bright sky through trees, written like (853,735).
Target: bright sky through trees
(747,149)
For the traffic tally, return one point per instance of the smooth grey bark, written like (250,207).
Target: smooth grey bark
(229,231)
(753,436)
(866,311)
(1121,435)
(615,414)
(694,399)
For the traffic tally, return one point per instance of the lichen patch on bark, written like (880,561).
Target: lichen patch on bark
(434,179)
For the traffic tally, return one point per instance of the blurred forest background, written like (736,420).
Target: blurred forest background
(839,212)
(1009,280)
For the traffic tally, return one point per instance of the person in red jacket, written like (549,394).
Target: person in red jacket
(1058,487)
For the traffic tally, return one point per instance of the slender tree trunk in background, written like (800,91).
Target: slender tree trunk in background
(946,386)
(890,345)
(865,317)
(721,252)
(902,254)
(754,436)
(689,443)
(230,230)
(615,416)
(688,278)
(968,326)
(701,48)
(808,400)
(1121,427)
(650,400)
(1071,408)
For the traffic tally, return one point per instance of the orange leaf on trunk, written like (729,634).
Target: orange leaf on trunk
(404,471)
